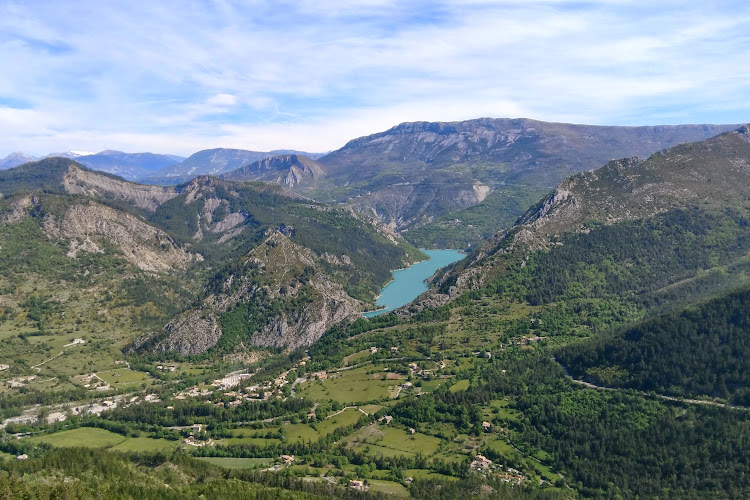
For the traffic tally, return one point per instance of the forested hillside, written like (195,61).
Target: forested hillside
(700,351)
(78,240)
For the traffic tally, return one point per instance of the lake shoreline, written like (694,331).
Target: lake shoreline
(412,280)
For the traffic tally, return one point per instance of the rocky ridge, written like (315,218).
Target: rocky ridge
(88,183)
(277,263)
(414,172)
(91,226)
(287,170)
(712,174)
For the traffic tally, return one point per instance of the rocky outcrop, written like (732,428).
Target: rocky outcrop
(95,226)
(329,303)
(19,209)
(711,173)
(88,183)
(190,333)
(288,170)
(277,271)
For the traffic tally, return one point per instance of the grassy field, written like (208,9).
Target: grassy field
(248,436)
(247,432)
(501,409)
(431,385)
(146,444)
(391,442)
(88,437)
(124,377)
(399,439)
(238,463)
(300,433)
(355,358)
(461,385)
(352,386)
(370,409)
(348,417)
(374,450)
(263,442)
(388,487)
(501,445)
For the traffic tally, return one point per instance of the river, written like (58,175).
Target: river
(409,283)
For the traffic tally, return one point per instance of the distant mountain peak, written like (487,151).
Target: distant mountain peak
(216,161)
(69,154)
(15,159)
(288,170)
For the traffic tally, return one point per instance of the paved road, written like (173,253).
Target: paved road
(661,396)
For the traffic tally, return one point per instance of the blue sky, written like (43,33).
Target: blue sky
(176,77)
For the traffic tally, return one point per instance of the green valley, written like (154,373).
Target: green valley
(595,349)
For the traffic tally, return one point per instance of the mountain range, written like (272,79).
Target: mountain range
(268,266)
(595,348)
(214,162)
(158,168)
(128,165)
(440,184)
(414,173)
(455,184)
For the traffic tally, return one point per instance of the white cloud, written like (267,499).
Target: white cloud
(222,100)
(173,76)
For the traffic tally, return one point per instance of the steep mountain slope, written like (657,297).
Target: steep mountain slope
(288,170)
(709,175)
(700,351)
(277,295)
(131,166)
(218,245)
(415,172)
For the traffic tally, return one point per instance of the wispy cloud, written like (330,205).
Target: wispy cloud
(176,76)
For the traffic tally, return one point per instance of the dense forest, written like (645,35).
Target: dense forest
(700,351)
(633,259)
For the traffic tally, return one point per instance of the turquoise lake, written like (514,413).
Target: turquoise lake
(409,283)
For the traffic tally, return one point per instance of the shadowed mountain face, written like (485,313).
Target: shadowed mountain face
(411,174)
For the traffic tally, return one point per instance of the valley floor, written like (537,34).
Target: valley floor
(382,405)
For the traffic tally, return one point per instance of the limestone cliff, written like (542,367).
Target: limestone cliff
(90,226)
(714,173)
(93,184)
(280,286)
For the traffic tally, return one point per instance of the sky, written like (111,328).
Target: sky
(180,76)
